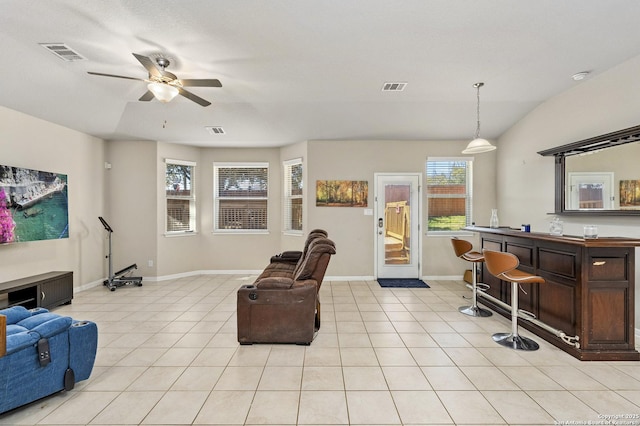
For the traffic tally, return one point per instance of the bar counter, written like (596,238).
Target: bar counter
(588,292)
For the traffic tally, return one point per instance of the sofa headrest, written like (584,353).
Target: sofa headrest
(318,248)
(323,242)
(319,231)
(312,237)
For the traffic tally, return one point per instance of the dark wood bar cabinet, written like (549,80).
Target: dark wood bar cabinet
(588,293)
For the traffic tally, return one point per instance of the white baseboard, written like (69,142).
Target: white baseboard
(372,278)
(349,278)
(88,285)
(203,272)
(443,278)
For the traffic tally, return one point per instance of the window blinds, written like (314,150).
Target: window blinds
(448,193)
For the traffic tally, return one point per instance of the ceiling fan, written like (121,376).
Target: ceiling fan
(164,85)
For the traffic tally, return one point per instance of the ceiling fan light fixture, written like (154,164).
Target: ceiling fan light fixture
(478,145)
(162,91)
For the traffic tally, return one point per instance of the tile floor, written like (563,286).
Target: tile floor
(168,355)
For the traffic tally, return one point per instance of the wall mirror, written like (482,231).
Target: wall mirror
(599,175)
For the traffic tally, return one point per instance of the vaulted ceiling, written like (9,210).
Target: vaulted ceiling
(295,70)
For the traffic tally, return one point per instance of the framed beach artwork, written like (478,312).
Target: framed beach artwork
(33,205)
(342,193)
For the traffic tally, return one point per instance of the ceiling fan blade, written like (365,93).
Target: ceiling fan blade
(149,65)
(113,75)
(194,98)
(147,96)
(203,82)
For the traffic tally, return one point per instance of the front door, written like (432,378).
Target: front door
(590,190)
(397,225)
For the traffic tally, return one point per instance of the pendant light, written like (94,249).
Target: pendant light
(478,145)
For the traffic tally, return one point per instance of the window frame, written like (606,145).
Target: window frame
(217,198)
(288,197)
(191,198)
(468,195)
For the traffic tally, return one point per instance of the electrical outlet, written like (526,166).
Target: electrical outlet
(150,264)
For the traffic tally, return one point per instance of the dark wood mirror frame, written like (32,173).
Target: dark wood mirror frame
(560,154)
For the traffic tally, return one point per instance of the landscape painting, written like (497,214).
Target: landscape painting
(630,194)
(33,205)
(342,193)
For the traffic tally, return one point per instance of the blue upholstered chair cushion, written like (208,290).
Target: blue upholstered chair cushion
(72,345)
(25,328)
(46,324)
(15,314)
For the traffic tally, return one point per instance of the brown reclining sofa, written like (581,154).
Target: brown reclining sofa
(283,305)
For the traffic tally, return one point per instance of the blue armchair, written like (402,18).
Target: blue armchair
(42,353)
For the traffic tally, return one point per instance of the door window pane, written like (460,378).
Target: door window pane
(397,219)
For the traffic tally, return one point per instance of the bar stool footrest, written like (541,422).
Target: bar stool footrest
(475,311)
(515,342)
(483,286)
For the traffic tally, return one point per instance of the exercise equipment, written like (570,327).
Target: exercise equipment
(120,278)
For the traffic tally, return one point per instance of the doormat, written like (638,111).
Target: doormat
(402,283)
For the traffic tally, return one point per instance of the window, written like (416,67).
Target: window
(180,194)
(293,195)
(240,196)
(448,194)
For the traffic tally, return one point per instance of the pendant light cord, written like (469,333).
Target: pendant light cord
(478,86)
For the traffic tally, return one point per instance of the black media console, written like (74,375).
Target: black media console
(44,290)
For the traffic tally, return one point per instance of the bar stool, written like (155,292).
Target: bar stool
(503,266)
(463,250)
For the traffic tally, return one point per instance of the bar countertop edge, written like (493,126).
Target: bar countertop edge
(566,239)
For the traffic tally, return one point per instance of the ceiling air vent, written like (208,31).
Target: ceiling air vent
(394,86)
(63,52)
(215,130)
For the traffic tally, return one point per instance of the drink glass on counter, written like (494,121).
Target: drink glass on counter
(590,231)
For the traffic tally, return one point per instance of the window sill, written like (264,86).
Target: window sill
(240,232)
(293,233)
(180,234)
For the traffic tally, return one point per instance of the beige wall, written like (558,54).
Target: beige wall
(131,204)
(176,255)
(602,104)
(137,173)
(349,227)
(353,232)
(605,103)
(28,142)
(239,252)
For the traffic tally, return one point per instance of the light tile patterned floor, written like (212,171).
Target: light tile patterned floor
(168,354)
